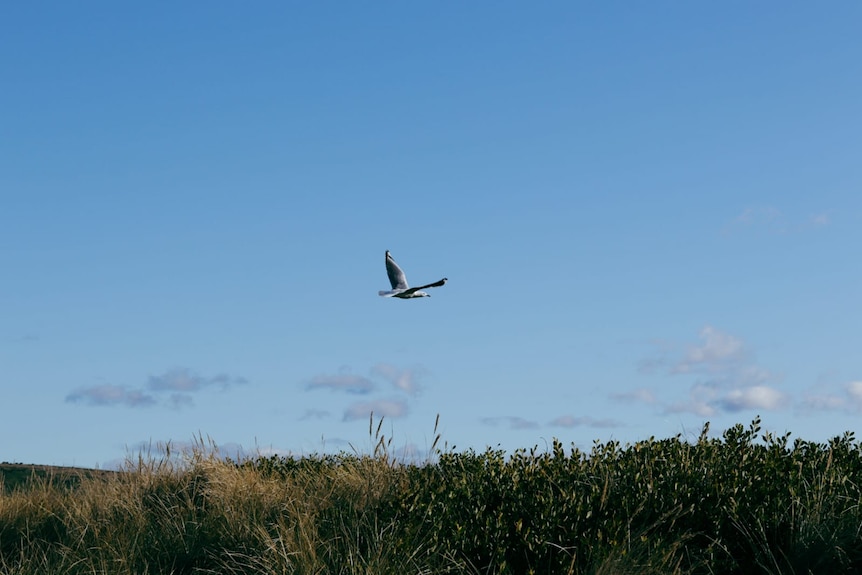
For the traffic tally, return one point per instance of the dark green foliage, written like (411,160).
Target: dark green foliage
(743,503)
(739,504)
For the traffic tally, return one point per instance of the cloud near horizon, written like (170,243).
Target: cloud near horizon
(849,400)
(341,382)
(639,395)
(393,408)
(404,379)
(727,377)
(584,421)
(755,397)
(513,422)
(108,394)
(718,352)
(314,414)
(182,381)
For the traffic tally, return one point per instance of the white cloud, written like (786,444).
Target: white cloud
(819,220)
(700,402)
(718,351)
(640,395)
(773,220)
(512,421)
(725,376)
(854,391)
(314,414)
(707,400)
(755,397)
(179,380)
(341,382)
(404,379)
(584,421)
(758,216)
(849,400)
(107,395)
(824,403)
(393,408)
(184,380)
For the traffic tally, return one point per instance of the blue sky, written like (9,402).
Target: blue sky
(649,215)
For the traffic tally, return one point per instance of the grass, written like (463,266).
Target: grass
(742,503)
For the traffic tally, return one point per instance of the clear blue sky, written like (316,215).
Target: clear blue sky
(649,214)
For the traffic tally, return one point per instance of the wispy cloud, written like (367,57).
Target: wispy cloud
(824,402)
(172,389)
(407,380)
(107,395)
(639,395)
(726,376)
(708,400)
(700,401)
(584,421)
(760,216)
(755,397)
(717,352)
(180,400)
(513,422)
(848,400)
(403,379)
(392,408)
(819,220)
(341,382)
(184,380)
(719,357)
(315,414)
(773,220)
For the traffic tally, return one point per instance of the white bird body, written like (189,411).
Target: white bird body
(398,280)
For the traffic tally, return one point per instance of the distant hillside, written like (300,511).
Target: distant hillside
(15,475)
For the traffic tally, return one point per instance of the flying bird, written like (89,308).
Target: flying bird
(399,282)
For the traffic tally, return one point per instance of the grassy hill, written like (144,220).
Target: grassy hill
(20,475)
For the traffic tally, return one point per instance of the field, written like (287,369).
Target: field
(746,502)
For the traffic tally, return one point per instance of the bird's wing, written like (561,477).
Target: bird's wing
(396,276)
(435,284)
(412,290)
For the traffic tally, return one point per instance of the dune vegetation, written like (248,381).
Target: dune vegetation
(745,502)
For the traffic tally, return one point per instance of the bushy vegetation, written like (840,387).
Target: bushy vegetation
(743,503)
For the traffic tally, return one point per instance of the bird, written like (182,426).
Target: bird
(399,282)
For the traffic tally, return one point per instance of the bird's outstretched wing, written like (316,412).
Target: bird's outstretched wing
(412,290)
(438,283)
(396,275)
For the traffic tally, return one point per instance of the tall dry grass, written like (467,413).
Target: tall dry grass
(207,515)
